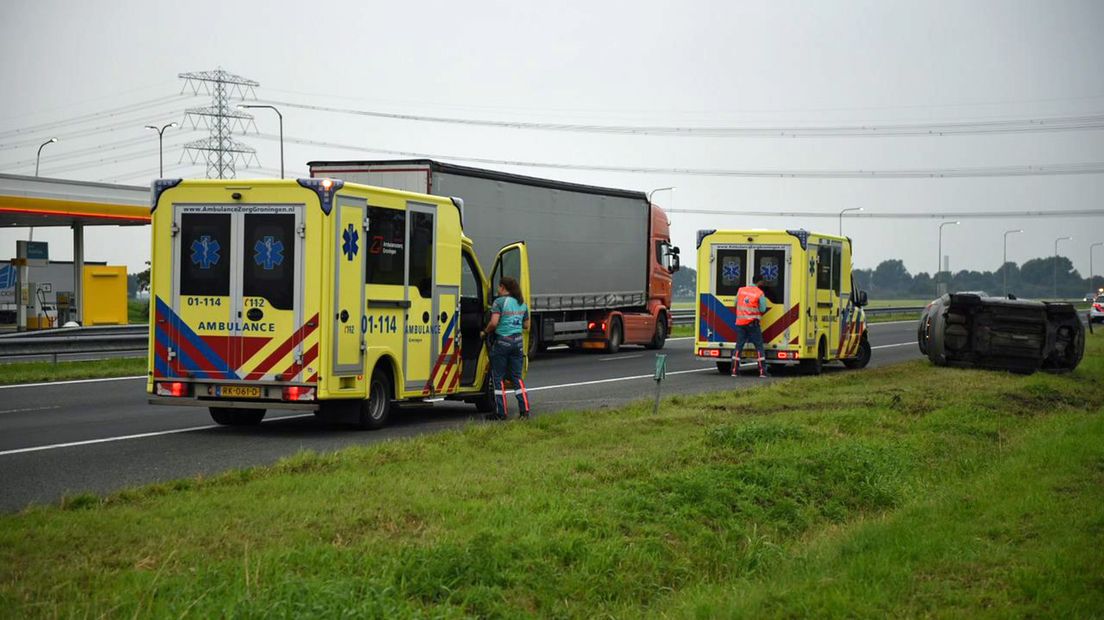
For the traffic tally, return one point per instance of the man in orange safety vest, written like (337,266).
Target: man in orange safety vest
(751,305)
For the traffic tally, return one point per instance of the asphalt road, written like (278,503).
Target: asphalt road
(100,436)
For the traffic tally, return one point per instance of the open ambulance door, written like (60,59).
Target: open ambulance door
(513,261)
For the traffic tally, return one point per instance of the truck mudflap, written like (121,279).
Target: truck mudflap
(1001,333)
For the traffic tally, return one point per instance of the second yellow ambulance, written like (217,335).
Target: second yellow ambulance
(815,314)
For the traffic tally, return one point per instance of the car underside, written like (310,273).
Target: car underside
(1001,333)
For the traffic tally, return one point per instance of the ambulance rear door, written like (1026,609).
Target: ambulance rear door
(718,307)
(829,254)
(237,291)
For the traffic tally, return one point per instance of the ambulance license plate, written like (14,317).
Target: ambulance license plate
(238,391)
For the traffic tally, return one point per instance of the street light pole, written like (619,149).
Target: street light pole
(841,217)
(939,259)
(1055,291)
(160,147)
(273,108)
(1091,246)
(1004,264)
(38,157)
(660,189)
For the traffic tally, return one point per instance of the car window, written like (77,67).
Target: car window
(1100,300)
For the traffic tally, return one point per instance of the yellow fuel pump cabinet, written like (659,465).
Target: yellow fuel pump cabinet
(315,294)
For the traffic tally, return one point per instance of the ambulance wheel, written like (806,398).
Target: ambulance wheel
(375,410)
(660,336)
(613,345)
(863,357)
(228,416)
(725,368)
(814,366)
(485,402)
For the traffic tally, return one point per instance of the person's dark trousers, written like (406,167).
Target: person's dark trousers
(752,333)
(507,363)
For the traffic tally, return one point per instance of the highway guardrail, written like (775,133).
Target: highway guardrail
(686,317)
(75,340)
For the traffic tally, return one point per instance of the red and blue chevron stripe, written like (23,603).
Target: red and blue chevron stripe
(447,358)
(194,357)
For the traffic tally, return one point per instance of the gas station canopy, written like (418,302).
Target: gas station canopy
(38,201)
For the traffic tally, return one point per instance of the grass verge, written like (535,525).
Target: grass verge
(39,372)
(901,491)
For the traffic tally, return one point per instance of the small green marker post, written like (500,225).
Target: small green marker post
(660,373)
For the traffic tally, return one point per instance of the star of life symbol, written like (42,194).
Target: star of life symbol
(205,252)
(350,236)
(731,271)
(769,271)
(268,252)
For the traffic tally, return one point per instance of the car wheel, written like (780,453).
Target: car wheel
(376,409)
(725,368)
(228,416)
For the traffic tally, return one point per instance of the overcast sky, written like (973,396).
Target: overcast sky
(679,64)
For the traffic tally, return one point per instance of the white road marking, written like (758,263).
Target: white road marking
(899,344)
(138,436)
(75,381)
(619,357)
(613,380)
(30,409)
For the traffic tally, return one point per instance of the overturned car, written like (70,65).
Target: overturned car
(1002,333)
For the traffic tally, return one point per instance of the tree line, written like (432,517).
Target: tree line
(1037,278)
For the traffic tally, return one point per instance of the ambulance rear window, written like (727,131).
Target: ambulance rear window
(205,254)
(770,266)
(268,270)
(731,271)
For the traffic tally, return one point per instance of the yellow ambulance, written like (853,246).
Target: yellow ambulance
(315,294)
(814,315)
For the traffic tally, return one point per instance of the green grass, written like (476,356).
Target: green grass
(907,490)
(138,311)
(36,372)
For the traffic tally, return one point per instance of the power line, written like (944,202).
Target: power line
(1028,125)
(998,171)
(903,214)
(129,120)
(83,118)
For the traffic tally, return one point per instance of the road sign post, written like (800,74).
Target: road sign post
(660,374)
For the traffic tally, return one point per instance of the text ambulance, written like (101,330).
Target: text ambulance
(315,294)
(814,313)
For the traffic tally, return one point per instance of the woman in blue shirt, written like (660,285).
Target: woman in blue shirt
(509,318)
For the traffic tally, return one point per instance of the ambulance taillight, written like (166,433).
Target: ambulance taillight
(298,392)
(174,388)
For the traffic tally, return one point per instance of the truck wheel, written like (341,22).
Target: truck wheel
(660,336)
(613,345)
(725,368)
(534,342)
(375,410)
(228,416)
(863,357)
